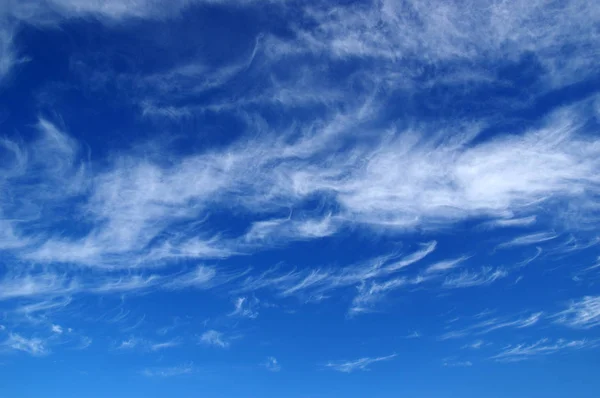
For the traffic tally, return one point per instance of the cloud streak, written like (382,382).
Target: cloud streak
(485,276)
(214,338)
(583,313)
(522,352)
(245,307)
(33,346)
(426,132)
(272,364)
(493,324)
(359,364)
(168,371)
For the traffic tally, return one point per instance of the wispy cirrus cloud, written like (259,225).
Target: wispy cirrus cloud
(272,364)
(9,56)
(413,335)
(522,352)
(128,344)
(147,345)
(359,364)
(214,338)
(142,218)
(288,229)
(164,345)
(394,30)
(443,266)
(33,346)
(530,239)
(39,284)
(245,307)
(454,363)
(372,279)
(492,324)
(54,11)
(511,222)
(56,329)
(32,308)
(200,277)
(583,313)
(133,203)
(476,345)
(368,295)
(483,277)
(53,285)
(168,371)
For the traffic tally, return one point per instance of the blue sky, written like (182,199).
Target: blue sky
(304,199)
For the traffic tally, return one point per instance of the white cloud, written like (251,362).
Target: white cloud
(413,335)
(290,229)
(214,338)
(521,352)
(8,53)
(44,306)
(359,364)
(477,344)
(530,239)
(457,364)
(56,329)
(55,11)
(368,295)
(151,209)
(424,251)
(406,181)
(124,284)
(84,342)
(200,277)
(272,364)
(486,276)
(33,346)
(317,283)
(245,307)
(446,265)
(511,222)
(168,371)
(165,344)
(314,278)
(492,324)
(129,344)
(583,313)
(530,259)
(389,31)
(56,289)
(40,284)
(146,345)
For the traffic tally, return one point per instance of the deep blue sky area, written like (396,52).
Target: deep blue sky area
(302,199)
